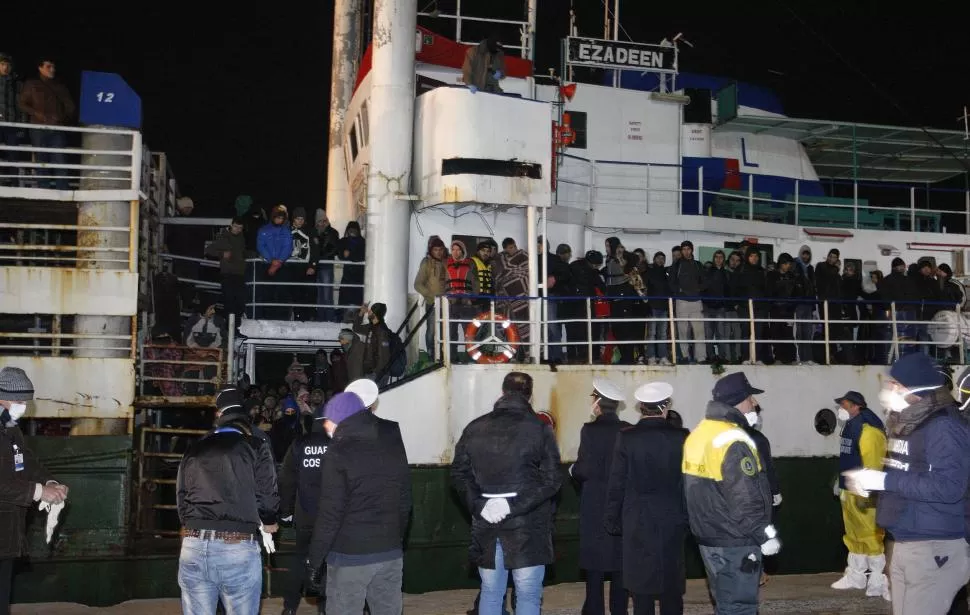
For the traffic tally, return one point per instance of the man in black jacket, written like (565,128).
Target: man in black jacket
(600,554)
(230,248)
(299,496)
(645,504)
(23,480)
(362,515)
(227,499)
(507,469)
(328,240)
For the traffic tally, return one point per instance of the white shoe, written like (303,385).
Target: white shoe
(665,361)
(855,573)
(652,361)
(878,585)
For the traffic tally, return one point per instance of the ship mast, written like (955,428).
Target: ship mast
(343,74)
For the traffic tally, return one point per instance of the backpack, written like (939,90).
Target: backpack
(399,357)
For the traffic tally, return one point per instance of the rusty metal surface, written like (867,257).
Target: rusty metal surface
(78,388)
(61,290)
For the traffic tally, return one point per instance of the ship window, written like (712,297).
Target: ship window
(364,127)
(486,166)
(577,121)
(353,142)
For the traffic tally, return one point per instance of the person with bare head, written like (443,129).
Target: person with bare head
(44,100)
(328,240)
(506,470)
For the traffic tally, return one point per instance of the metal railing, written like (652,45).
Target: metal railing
(50,335)
(587,330)
(593,184)
(54,157)
(75,246)
(180,371)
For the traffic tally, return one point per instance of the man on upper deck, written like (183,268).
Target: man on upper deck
(484,66)
(44,100)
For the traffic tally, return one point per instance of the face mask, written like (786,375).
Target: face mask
(17,410)
(893,401)
(843,415)
(752,418)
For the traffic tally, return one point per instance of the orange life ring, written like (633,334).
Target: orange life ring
(504,343)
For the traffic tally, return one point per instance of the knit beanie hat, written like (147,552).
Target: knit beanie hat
(15,385)
(318,215)
(343,406)
(299,212)
(279,210)
(229,400)
(435,242)
(379,310)
(917,371)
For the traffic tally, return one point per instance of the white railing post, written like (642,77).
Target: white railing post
(445,331)
(672,326)
(136,152)
(966,209)
(648,189)
(750,197)
(855,203)
(589,328)
(700,190)
(797,185)
(912,209)
(592,184)
(231,352)
(895,352)
(752,345)
(825,322)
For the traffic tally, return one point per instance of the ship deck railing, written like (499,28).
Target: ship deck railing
(599,185)
(86,168)
(897,329)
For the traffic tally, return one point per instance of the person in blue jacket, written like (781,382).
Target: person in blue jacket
(924,487)
(274,242)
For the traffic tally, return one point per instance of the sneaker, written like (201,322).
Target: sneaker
(652,361)
(665,362)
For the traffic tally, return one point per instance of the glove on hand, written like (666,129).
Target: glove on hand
(267,540)
(776,500)
(495,510)
(772,547)
(861,482)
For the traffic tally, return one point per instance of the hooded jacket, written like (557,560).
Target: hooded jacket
(725,482)
(274,243)
(927,471)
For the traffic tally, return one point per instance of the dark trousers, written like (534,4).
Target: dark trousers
(53,139)
(594,593)
(8,136)
(234,295)
(297,579)
(670,604)
(733,574)
(6,579)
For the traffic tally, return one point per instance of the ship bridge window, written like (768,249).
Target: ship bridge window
(577,122)
(352,138)
(487,166)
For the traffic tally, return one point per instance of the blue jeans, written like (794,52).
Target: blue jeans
(733,574)
(50,139)
(212,569)
(325,294)
(528,587)
(554,332)
(658,334)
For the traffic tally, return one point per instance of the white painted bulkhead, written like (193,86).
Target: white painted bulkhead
(435,408)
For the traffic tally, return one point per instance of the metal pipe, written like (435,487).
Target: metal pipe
(532,240)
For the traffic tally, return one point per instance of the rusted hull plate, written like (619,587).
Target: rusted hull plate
(61,290)
(78,388)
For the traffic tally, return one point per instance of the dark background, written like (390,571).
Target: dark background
(238,97)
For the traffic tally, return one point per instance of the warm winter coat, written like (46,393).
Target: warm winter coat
(46,101)
(480,66)
(645,506)
(509,450)
(236,246)
(300,476)
(365,493)
(926,472)
(17,488)
(274,243)
(598,550)
(377,346)
(725,482)
(432,279)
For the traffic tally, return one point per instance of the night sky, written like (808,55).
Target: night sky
(238,99)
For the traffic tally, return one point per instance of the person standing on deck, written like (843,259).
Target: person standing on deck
(230,248)
(729,498)
(863,445)
(600,554)
(923,499)
(484,66)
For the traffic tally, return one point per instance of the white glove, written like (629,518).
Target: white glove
(267,540)
(571,469)
(772,547)
(287,519)
(53,513)
(836,490)
(861,482)
(776,500)
(496,510)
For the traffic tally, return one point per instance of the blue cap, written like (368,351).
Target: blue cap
(343,406)
(854,397)
(734,389)
(917,370)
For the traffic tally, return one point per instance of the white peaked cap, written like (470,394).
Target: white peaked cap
(654,392)
(609,389)
(365,389)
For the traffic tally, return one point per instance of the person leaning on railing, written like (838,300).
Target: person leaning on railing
(44,100)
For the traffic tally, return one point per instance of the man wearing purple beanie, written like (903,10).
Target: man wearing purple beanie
(362,516)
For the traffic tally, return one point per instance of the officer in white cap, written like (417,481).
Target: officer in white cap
(600,554)
(366,390)
(645,503)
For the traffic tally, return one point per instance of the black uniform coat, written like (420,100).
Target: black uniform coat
(20,471)
(509,450)
(645,504)
(598,550)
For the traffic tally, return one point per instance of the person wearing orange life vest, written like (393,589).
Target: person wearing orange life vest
(461,274)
